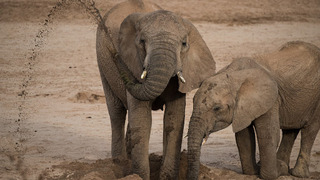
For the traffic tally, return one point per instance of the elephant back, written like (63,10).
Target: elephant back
(294,62)
(296,68)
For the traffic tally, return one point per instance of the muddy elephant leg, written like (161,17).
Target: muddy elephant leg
(308,136)
(140,126)
(267,127)
(246,143)
(172,137)
(284,151)
(117,113)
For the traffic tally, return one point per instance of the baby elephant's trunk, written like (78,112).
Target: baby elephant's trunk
(195,136)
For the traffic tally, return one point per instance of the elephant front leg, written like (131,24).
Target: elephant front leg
(140,126)
(172,137)
(246,143)
(268,131)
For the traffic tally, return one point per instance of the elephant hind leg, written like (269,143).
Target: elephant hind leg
(308,136)
(117,113)
(284,151)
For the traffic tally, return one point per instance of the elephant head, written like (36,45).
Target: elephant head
(237,95)
(157,46)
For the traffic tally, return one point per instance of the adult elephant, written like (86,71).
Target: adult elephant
(262,95)
(160,57)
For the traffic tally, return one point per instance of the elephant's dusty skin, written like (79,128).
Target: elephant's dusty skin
(66,120)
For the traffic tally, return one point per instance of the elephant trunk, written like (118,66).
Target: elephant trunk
(195,136)
(160,70)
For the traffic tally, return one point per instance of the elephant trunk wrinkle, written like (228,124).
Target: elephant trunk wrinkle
(163,53)
(195,137)
(165,38)
(160,70)
(164,45)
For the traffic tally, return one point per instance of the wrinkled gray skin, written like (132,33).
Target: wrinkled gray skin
(261,95)
(163,44)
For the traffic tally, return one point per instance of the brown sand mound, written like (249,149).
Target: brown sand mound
(111,169)
(121,169)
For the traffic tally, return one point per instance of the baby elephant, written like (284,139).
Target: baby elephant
(263,94)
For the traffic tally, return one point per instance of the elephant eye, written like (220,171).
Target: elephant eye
(142,41)
(184,44)
(217,108)
(229,107)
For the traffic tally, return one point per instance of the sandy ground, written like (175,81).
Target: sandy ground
(52,108)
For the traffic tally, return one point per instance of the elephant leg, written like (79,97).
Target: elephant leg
(172,136)
(140,128)
(118,117)
(117,113)
(128,142)
(308,136)
(284,151)
(246,143)
(267,128)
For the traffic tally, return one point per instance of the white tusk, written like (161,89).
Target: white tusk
(144,74)
(204,141)
(181,78)
(185,136)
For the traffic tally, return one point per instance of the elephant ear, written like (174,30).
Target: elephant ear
(257,93)
(127,47)
(197,63)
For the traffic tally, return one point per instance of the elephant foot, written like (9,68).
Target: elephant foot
(300,171)
(166,173)
(268,175)
(283,168)
(251,171)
